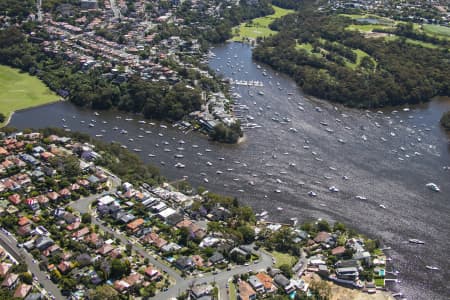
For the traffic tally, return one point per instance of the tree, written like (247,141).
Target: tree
(287,270)
(323,225)
(103,292)
(248,233)
(120,268)
(86,218)
(445,120)
(2,117)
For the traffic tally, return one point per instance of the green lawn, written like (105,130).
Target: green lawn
(232,291)
(20,90)
(437,30)
(283,258)
(259,27)
(413,42)
(367,27)
(379,282)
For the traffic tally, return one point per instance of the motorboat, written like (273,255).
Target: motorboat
(137,150)
(432,268)
(151,155)
(312,194)
(416,241)
(360,197)
(179,165)
(382,206)
(333,189)
(432,186)
(179,155)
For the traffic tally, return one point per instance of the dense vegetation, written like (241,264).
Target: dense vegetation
(225,134)
(125,164)
(445,120)
(392,72)
(219,29)
(155,100)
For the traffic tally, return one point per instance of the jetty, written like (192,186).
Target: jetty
(247,82)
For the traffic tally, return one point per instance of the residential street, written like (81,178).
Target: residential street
(182,284)
(10,245)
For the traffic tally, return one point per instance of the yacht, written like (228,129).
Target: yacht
(433,187)
(205,180)
(151,155)
(179,155)
(416,241)
(277,191)
(179,165)
(261,93)
(312,194)
(167,150)
(382,206)
(137,150)
(208,163)
(194,146)
(360,197)
(208,150)
(91,125)
(432,268)
(219,172)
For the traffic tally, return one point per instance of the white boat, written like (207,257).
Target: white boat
(151,155)
(137,150)
(208,150)
(333,189)
(432,268)
(96,113)
(219,172)
(208,163)
(279,208)
(179,155)
(128,119)
(277,191)
(433,187)
(179,165)
(312,194)
(194,146)
(360,197)
(416,241)
(91,125)
(99,135)
(205,180)
(123,131)
(167,150)
(382,206)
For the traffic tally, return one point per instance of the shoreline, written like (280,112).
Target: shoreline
(8,119)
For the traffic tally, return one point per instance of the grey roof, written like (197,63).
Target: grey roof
(281,280)
(216,257)
(254,282)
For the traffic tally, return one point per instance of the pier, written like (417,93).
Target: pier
(247,82)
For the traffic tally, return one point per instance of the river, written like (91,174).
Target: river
(385,156)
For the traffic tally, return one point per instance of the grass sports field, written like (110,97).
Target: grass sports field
(20,90)
(259,27)
(437,30)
